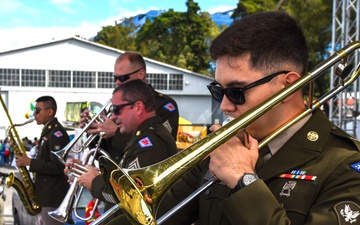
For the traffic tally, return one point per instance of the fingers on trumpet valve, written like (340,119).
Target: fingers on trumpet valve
(77,170)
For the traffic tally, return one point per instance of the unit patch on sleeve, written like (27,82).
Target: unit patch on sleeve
(145,142)
(169,106)
(58,133)
(347,212)
(356,166)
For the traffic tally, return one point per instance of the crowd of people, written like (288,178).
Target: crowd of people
(7,150)
(309,174)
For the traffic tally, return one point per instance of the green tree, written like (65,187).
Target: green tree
(314,16)
(121,36)
(179,38)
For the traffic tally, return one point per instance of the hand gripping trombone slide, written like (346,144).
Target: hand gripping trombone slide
(140,191)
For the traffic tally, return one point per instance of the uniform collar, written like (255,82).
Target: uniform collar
(281,139)
(306,144)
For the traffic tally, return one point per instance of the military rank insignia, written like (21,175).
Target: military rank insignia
(287,188)
(169,106)
(145,142)
(58,134)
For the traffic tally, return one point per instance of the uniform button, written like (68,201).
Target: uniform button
(207,192)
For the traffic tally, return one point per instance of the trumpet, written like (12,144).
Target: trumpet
(72,198)
(63,153)
(140,191)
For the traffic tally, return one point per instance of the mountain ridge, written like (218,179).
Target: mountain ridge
(219,17)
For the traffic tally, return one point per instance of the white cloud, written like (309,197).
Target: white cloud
(23,37)
(220,8)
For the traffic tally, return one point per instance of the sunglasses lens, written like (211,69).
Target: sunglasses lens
(115,109)
(122,78)
(235,95)
(216,92)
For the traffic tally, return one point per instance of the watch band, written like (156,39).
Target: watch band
(245,180)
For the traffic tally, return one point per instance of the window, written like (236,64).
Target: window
(157,80)
(9,77)
(84,79)
(176,82)
(106,80)
(59,78)
(32,78)
(81,79)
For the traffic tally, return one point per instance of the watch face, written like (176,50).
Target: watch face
(249,178)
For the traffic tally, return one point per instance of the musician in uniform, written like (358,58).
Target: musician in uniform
(131,66)
(309,174)
(50,184)
(133,110)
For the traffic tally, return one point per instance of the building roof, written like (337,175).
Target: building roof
(101,46)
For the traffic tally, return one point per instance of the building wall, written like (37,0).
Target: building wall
(194,101)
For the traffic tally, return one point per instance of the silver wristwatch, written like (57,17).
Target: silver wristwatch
(247,179)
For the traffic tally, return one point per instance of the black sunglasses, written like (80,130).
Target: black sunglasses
(235,94)
(116,109)
(37,110)
(125,77)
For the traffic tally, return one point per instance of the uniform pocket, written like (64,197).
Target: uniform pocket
(294,195)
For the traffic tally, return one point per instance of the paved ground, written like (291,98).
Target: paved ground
(8,217)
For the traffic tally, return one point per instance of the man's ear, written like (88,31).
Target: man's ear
(142,74)
(51,112)
(291,77)
(139,107)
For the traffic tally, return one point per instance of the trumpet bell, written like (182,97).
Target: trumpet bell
(62,216)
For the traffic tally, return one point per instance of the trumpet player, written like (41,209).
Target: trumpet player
(309,174)
(131,66)
(133,111)
(50,184)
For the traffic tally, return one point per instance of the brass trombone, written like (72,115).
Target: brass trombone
(141,190)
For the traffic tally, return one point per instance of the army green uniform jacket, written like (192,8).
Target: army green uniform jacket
(51,183)
(166,108)
(328,192)
(149,144)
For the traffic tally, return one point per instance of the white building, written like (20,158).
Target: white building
(74,70)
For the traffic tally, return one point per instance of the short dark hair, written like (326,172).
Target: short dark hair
(135,59)
(137,90)
(273,39)
(48,101)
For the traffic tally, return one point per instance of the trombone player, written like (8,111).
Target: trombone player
(309,174)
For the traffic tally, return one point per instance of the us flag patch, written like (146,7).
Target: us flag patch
(145,142)
(169,106)
(58,134)
(356,166)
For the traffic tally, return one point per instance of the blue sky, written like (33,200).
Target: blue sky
(28,22)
